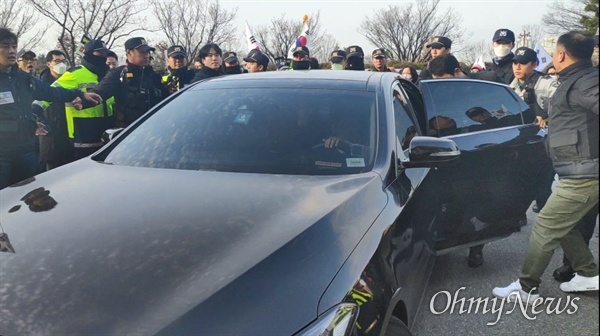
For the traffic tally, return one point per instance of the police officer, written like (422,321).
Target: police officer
(535,88)
(503,43)
(355,59)
(177,75)
(18,128)
(135,85)
(256,61)
(231,63)
(84,127)
(337,59)
(379,60)
(440,45)
(301,59)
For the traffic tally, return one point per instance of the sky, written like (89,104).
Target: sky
(341,19)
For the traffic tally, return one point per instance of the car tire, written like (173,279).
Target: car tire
(397,328)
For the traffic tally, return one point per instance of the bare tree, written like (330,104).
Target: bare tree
(21,19)
(159,58)
(565,15)
(469,53)
(404,31)
(536,33)
(108,20)
(193,23)
(323,51)
(277,37)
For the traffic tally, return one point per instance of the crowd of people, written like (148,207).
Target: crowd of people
(59,116)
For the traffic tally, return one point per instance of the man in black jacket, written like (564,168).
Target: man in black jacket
(503,42)
(18,123)
(55,148)
(212,62)
(573,147)
(135,85)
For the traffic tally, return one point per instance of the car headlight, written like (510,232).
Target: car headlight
(337,321)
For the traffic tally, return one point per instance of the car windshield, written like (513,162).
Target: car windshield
(262,130)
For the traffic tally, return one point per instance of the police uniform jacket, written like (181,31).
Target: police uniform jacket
(503,68)
(542,86)
(573,126)
(179,77)
(18,90)
(136,90)
(85,126)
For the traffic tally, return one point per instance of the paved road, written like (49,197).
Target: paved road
(503,260)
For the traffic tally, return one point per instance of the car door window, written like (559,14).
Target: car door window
(456,107)
(404,121)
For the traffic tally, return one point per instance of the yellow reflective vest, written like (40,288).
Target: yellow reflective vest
(85,125)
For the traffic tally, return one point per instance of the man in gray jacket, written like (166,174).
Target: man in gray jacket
(573,148)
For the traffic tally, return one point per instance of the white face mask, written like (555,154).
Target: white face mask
(502,50)
(60,68)
(407,77)
(337,66)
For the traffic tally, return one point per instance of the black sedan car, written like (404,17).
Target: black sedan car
(282,203)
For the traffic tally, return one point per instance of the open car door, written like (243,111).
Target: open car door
(503,161)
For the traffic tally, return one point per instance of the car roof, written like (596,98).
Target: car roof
(470,80)
(313,79)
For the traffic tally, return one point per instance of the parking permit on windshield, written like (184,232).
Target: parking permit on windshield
(355,162)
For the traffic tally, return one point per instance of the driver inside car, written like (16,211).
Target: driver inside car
(348,136)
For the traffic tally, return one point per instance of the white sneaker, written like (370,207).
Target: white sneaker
(580,284)
(511,291)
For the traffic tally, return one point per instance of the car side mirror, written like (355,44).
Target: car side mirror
(430,152)
(110,134)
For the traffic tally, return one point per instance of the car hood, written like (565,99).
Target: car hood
(103,249)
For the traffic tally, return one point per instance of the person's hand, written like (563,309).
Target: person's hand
(92,97)
(41,129)
(332,142)
(541,122)
(77,104)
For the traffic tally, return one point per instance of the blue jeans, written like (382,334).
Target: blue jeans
(16,167)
